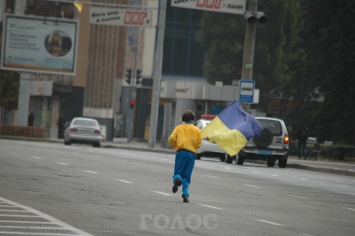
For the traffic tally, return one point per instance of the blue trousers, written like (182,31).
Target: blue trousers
(184,164)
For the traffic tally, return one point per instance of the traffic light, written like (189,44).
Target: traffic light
(138,76)
(129,76)
(131,103)
(256,17)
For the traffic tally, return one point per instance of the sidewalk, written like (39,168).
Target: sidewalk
(334,167)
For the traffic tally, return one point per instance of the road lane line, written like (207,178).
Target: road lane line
(305,198)
(275,175)
(62,163)
(227,168)
(35,157)
(36,234)
(161,193)
(1,210)
(256,172)
(249,185)
(24,216)
(28,222)
(90,172)
(213,177)
(32,227)
(269,222)
(124,181)
(348,208)
(304,179)
(212,207)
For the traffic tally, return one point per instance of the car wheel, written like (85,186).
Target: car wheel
(265,139)
(282,163)
(198,156)
(97,145)
(222,158)
(270,162)
(240,160)
(229,159)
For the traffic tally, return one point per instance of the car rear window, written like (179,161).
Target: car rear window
(273,125)
(85,123)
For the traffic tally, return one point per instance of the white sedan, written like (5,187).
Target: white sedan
(208,149)
(83,130)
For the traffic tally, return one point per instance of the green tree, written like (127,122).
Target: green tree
(326,67)
(9,87)
(223,37)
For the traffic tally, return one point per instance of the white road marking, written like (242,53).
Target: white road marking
(31,227)
(37,157)
(124,181)
(14,153)
(38,214)
(255,172)
(28,222)
(305,198)
(348,208)
(213,207)
(249,185)
(24,216)
(213,177)
(1,210)
(304,179)
(163,159)
(227,168)
(62,163)
(36,234)
(275,175)
(161,193)
(269,222)
(91,172)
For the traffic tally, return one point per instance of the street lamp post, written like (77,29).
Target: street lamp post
(252,17)
(249,46)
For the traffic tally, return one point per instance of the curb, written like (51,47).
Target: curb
(324,170)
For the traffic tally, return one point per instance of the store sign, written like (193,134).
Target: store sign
(120,17)
(227,6)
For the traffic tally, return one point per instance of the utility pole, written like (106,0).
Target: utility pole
(249,46)
(158,63)
(25,81)
(252,17)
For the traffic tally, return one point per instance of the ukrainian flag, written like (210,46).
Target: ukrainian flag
(232,128)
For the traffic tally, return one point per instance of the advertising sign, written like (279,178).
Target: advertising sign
(39,45)
(120,17)
(227,6)
(246,91)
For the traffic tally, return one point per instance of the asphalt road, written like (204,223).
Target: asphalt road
(80,190)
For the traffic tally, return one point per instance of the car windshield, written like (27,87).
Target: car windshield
(273,125)
(88,123)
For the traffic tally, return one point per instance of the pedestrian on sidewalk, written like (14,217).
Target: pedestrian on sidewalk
(302,136)
(186,139)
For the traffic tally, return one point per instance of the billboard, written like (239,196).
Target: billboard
(39,45)
(120,17)
(226,6)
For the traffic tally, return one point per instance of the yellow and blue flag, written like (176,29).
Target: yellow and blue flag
(232,128)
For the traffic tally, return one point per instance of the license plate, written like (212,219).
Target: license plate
(264,152)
